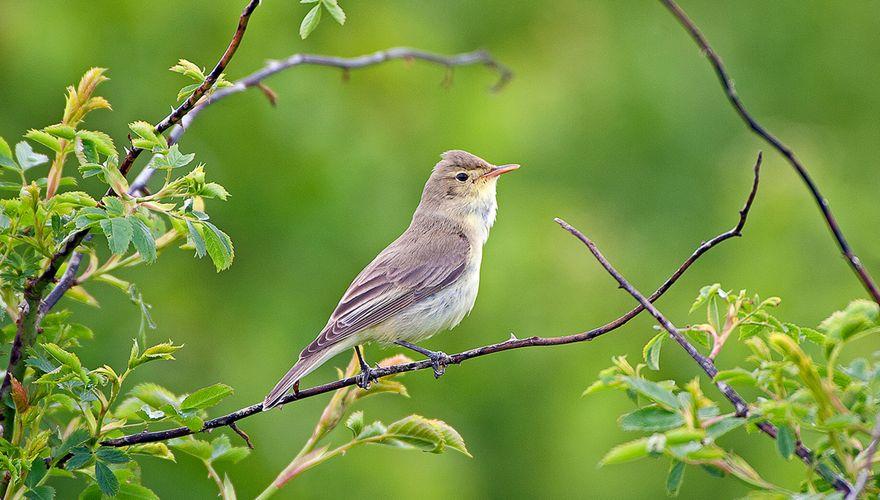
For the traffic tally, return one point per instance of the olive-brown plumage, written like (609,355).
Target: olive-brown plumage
(424,282)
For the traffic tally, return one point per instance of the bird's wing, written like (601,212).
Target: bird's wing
(396,279)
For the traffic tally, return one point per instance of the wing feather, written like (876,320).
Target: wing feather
(396,279)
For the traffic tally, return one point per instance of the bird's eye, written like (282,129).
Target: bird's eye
(462,176)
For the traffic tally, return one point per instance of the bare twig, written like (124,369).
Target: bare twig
(865,472)
(742,408)
(346,63)
(513,343)
(785,151)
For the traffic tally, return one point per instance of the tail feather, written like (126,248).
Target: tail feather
(303,367)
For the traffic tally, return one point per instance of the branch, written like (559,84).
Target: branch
(346,63)
(742,408)
(784,150)
(865,473)
(513,343)
(28,321)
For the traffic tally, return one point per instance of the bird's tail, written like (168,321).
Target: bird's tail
(303,367)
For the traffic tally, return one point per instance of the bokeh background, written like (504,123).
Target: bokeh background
(621,129)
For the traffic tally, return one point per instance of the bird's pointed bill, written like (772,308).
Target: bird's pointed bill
(503,169)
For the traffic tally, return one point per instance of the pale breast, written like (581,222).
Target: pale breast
(442,311)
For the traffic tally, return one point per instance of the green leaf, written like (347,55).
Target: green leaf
(111,455)
(158,450)
(163,351)
(725,425)
(223,451)
(228,488)
(650,419)
(451,438)
(653,391)
(142,239)
(134,491)
(189,69)
(310,22)
(80,457)
(206,397)
(859,315)
(75,439)
(26,156)
(60,130)
(45,139)
(219,247)
(417,432)
(335,10)
(196,238)
(101,142)
(214,190)
(194,447)
(785,441)
(626,452)
(651,351)
(40,493)
(356,422)
(106,479)
(5,152)
(674,478)
(118,232)
(735,376)
(145,130)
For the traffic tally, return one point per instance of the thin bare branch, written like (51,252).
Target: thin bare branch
(785,151)
(345,63)
(513,343)
(868,463)
(742,407)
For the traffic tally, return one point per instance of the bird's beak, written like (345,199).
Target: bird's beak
(503,169)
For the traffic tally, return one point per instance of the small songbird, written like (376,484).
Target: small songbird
(425,282)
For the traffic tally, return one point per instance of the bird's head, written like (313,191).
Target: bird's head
(463,184)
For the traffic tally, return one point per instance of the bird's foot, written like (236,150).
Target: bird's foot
(366,376)
(439,359)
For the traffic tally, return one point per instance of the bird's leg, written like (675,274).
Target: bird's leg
(439,359)
(366,372)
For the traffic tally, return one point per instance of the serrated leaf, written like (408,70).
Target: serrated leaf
(219,247)
(106,479)
(111,455)
(142,239)
(76,438)
(651,419)
(80,458)
(44,138)
(653,391)
(417,432)
(60,130)
(206,397)
(158,450)
(196,237)
(222,450)
(43,492)
(214,190)
(102,142)
(194,447)
(134,491)
(335,10)
(356,422)
(451,438)
(118,232)
(310,22)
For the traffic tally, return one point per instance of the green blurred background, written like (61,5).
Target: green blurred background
(621,129)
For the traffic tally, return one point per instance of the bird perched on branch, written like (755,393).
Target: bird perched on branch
(425,282)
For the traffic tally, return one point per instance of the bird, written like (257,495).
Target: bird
(424,282)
